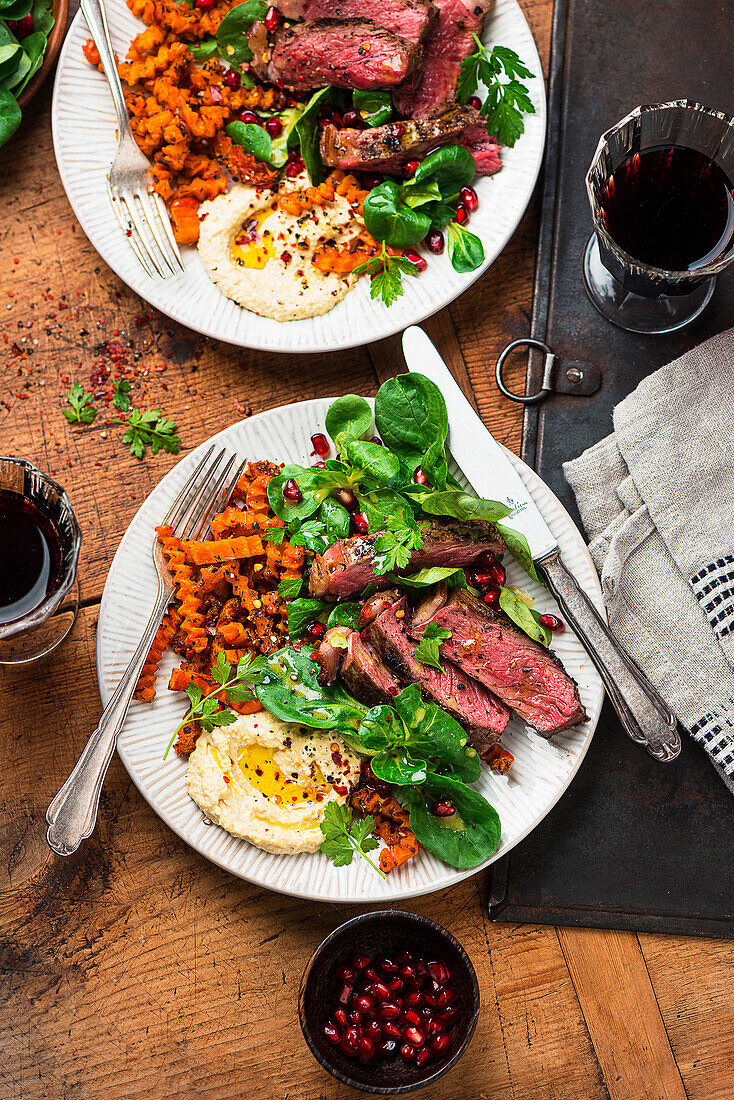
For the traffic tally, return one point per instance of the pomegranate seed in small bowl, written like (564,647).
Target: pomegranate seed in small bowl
(387,1040)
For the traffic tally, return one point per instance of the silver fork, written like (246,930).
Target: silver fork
(140,211)
(72,815)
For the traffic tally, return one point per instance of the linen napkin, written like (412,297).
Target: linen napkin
(657,500)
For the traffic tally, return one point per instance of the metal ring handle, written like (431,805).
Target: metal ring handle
(530,398)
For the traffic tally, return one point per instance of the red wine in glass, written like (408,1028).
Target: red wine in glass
(670,207)
(30,556)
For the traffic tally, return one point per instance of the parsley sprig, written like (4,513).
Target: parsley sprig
(149,428)
(502,72)
(427,650)
(393,546)
(82,411)
(122,399)
(386,275)
(206,709)
(345,836)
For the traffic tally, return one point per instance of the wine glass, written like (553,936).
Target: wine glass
(640,296)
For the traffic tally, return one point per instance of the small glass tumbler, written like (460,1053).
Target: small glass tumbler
(42,628)
(634,295)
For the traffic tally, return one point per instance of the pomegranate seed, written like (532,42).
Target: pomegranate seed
(434,1027)
(423,1056)
(430,999)
(271,20)
(353,120)
(351,1035)
(366,1050)
(294,167)
(420,478)
(407,1052)
(369,181)
(336,119)
(437,970)
(462,214)
(373,1031)
(552,622)
(389,1010)
(474,102)
(365,987)
(485,561)
(346,498)
(319,465)
(396,985)
(355,1017)
(274,126)
(411,168)
(403,958)
(426,1013)
(421,967)
(344,995)
(441,1044)
(346,974)
(419,262)
(340,1018)
(380,991)
(414,1035)
(469,198)
(408,972)
(450,1015)
(320,443)
(360,962)
(435,242)
(331,1033)
(482,580)
(250,118)
(414,999)
(232,79)
(497,573)
(371,974)
(412,1017)
(376,439)
(447,996)
(292,492)
(442,808)
(205,5)
(387,966)
(363,1004)
(314,632)
(358,524)
(21,28)
(391,1030)
(492,597)
(349,1048)
(387,1048)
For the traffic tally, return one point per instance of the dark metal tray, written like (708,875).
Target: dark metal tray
(633,844)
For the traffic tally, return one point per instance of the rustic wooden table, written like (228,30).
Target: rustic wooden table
(135,968)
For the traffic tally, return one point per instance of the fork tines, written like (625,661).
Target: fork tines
(206,491)
(145,222)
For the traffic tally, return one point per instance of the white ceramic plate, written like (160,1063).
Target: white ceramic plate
(85,145)
(542,770)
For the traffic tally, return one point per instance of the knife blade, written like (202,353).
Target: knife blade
(643,713)
(482,459)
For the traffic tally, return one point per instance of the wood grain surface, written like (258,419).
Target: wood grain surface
(137,969)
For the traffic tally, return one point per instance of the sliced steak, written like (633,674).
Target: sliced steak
(449,42)
(387,148)
(353,53)
(330,654)
(483,715)
(365,675)
(375,605)
(525,676)
(484,148)
(346,567)
(410,19)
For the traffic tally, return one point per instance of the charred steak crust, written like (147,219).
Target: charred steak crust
(525,676)
(350,53)
(387,148)
(410,19)
(481,713)
(346,567)
(365,675)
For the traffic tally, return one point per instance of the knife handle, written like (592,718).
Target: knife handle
(642,712)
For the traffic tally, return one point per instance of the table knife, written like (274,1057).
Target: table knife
(643,713)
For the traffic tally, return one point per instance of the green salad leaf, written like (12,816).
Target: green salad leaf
(466,838)
(233,30)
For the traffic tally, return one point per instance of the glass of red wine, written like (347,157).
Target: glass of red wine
(662,199)
(40,541)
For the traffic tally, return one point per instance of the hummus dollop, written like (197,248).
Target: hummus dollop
(269,781)
(259,254)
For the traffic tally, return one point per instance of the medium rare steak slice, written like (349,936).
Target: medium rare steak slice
(330,654)
(525,676)
(346,567)
(353,53)
(479,711)
(410,19)
(365,675)
(387,148)
(449,42)
(484,148)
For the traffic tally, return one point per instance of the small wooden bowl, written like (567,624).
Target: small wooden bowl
(384,933)
(60,10)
